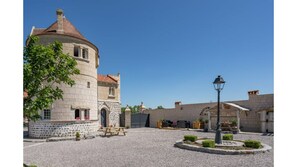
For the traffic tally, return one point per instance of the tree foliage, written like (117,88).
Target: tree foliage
(160,107)
(134,109)
(45,67)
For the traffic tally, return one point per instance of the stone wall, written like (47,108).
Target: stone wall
(103,91)
(188,112)
(113,109)
(249,120)
(47,129)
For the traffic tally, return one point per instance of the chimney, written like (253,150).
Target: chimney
(177,104)
(60,15)
(253,93)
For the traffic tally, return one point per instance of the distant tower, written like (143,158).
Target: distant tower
(78,109)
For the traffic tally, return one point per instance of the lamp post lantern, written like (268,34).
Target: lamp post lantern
(218,85)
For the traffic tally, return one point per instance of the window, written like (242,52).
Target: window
(85,53)
(80,52)
(87,114)
(46,114)
(111,91)
(77,114)
(89,85)
(75,52)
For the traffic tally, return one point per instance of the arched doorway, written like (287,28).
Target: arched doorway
(103,117)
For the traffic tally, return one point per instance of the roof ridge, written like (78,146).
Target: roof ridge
(110,76)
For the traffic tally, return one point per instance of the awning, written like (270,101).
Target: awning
(237,106)
(205,109)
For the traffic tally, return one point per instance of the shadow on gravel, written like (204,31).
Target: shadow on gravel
(108,136)
(267,134)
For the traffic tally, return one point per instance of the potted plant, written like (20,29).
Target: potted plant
(77,136)
(234,126)
(205,126)
(233,123)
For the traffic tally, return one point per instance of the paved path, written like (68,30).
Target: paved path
(140,147)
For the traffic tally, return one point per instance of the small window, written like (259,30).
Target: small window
(46,114)
(87,115)
(75,53)
(89,84)
(85,53)
(111,91)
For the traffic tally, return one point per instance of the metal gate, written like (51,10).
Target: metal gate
(139,120)
(122,120)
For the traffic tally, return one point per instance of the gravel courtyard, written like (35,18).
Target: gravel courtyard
(140,147)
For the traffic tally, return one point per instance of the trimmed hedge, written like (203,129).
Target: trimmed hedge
(228,137)
(208,143)
(191,138)
(252,143)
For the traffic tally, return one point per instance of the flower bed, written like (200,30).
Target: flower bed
(230,147)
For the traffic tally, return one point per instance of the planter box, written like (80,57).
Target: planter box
(159,124)
(198,125)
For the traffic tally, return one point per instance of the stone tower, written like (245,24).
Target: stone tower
(78,109)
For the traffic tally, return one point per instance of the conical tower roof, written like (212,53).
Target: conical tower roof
(61,27)
(68,28)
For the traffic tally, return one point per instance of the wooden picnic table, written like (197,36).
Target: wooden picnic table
(114,131)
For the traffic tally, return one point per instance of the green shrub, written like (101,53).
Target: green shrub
(191,138)
(233,122)
(252,143)
(208,143)
(77,135)
(228,137)
(201,120)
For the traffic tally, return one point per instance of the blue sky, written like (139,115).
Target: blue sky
(172,50)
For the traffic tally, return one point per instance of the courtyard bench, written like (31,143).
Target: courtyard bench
(114,131)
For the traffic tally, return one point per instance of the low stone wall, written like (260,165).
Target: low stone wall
(47,129)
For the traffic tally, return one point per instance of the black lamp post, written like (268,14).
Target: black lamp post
(218,85)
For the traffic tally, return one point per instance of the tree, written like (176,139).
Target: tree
(44,68)
(123,109)
(135,109)
(160,107)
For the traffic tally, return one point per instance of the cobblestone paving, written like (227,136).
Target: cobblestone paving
(140,147)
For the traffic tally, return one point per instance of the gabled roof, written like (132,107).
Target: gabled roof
(68,28)
(106,78)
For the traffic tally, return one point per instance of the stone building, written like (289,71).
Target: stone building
(109,99)
(80,109)
(252,115)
